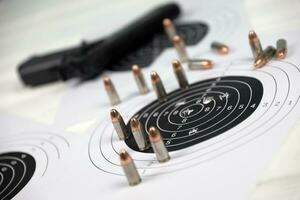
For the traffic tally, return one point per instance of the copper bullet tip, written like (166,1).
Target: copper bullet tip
(153,131)
(123,154)
(107,82)
(224,50)
(154,76)
(167,22)
(220,47)
(125,157)
(135,124)
(136,70)
(259,62)
(176,65)
(280,55)
(114,114)
(252,35)
(154,134)
(208,64)
(176,39)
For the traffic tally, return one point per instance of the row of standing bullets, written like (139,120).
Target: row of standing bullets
(143,141)
(157,84)
(263,56)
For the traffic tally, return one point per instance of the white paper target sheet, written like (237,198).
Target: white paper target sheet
(58,142)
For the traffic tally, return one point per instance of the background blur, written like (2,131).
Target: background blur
(29,27)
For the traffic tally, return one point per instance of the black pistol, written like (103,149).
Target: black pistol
(89,59)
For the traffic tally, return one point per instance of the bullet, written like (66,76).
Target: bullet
(158,145)
(220,48)
(139,134)
(139,79)
(158,87)
(111,91)
(255,44)
(263,58)
(180,74)
(129,168)
(169,28)
(180,48)
(281,49)
(119,124)
(195,64)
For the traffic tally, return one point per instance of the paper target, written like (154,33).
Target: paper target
(205,110)
(28,156)
(238,100)
(16,169)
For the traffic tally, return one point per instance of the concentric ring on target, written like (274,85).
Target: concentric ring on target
(234,98)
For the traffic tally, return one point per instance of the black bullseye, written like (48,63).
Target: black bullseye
(16,169)
(190,111)
(205,110)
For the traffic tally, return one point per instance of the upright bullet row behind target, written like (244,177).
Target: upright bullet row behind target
(157,83)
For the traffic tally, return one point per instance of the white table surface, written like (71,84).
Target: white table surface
(31,26)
